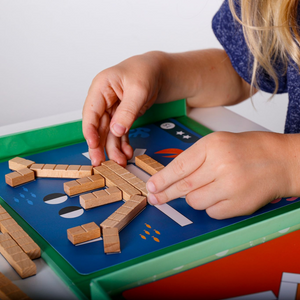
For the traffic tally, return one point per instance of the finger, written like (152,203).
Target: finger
(97,153)
(93,111)
(179,168)
(220,211)
(90,126)
(235,207)
(200,178)
(205,196)
(226,209)
(113,149)
(133,100)
(125,147)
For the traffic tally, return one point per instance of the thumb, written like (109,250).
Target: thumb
(127,111)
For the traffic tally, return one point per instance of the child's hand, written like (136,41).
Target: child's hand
(229,174)
(120,94)
(117,96)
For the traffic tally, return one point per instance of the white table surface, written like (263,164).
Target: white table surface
(46,284)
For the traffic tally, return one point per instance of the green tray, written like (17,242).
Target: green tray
(110,282)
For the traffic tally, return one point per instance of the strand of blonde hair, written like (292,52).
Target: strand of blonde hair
(271,33)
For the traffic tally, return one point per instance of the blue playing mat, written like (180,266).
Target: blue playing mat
(48,210)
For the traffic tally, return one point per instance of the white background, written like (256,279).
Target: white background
(51,50)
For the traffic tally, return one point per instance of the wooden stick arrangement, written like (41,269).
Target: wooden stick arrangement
(120,183)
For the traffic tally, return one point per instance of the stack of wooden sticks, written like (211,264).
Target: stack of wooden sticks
(121,185)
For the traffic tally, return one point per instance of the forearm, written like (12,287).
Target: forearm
(291,157)
(205,78)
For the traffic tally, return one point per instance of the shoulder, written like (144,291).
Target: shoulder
(224,20)
(226,28)
(230,34)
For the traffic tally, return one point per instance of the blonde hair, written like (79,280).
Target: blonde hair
(271,32)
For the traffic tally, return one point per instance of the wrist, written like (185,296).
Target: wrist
(292,159)
(159,62)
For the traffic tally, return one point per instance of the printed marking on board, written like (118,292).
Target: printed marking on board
(70,212)
(55,198)
(177,131)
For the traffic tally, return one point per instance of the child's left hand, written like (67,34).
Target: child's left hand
(229,174)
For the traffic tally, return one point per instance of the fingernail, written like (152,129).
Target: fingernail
(151,187)
(119,129)
(152,199)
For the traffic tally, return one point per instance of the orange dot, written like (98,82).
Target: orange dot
(142,236)
(156,239)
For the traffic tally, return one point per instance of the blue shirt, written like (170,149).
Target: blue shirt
(230,34)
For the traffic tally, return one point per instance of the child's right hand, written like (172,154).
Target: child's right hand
(231,174)
(117,96)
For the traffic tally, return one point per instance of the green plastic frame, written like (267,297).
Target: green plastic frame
(109,283)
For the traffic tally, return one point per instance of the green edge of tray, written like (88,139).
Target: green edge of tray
(110,281)
(57,136)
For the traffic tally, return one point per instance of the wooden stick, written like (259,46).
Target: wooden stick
(83,233)
(99,198)
(19,163)
(19,177)
(113,179)
(9,291)
(126,213)
(16,232)
(61,171)
(12,252)
(111,240)
(127,176)
(148,164)
(84,184)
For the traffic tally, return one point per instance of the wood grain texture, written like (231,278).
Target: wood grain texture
(16,232)
(16,257)
(99,198)
(148,164)
(83,233)
(84,184)
(19,177)
(126,213)
(19,163)
(61,171)
(112,179)
(136,182)
(111,240)
(9,291)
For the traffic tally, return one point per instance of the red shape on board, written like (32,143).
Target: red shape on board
(291,199)
(276,200)
(174,151)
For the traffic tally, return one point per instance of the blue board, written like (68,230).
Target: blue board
(149,231)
